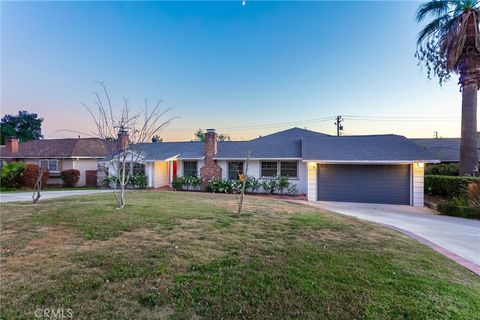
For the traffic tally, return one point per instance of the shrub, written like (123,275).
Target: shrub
(252,184)
(442,169)
(194,181)
(473,193)
(447,186)
(270,185)
(451,209)
(139,181)
(30,174)
(70,177)
(282,183)
(292,189)
(177,183)
(11,175)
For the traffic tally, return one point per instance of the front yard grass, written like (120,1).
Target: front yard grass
(179,255)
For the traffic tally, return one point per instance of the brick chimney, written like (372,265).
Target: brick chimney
(210,169)
(11,143)
(122,138)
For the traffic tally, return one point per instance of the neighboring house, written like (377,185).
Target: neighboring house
(445,149)
(57,155)
(372,169)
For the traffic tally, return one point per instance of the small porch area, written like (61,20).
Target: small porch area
(160,173)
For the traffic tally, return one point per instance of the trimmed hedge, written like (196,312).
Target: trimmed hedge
(447,186)
(70,177)
(30,174)
(459,211)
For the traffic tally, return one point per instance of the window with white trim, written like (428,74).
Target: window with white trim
(190,168)
(282,168)
(235,169)
(269,168)
(289,169)
(50,164)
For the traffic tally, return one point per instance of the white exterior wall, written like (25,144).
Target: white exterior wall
(254,170)
(82,165)
(311,181)
(417,185)
(161,174)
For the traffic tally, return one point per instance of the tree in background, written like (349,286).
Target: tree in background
(156,139)
(450,42)
(25,126)
(200,136)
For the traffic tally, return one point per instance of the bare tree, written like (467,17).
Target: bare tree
(243,179)
(44,153)
(132,130)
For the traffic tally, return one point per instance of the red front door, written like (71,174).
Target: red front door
(174,169)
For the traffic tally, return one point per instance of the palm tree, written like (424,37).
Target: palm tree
(450,42)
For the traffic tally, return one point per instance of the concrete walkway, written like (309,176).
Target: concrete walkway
(27,196)
(457,235)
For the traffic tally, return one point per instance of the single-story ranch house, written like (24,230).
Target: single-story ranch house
(372,169)
(57,155)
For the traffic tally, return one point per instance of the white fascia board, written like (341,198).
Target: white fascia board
(167,159)
(371,161)
(267,159)
(189,158)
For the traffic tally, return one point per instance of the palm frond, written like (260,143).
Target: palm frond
(433,28)
(433,8)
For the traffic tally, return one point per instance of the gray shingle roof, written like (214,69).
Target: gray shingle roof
(297,143)
(364,148)
(283,144)
(445,149)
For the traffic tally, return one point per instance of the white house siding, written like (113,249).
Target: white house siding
(160,174)
(311,181)
(417,185)
(254,170)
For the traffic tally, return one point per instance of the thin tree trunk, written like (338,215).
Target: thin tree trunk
(244,183)
(468,143)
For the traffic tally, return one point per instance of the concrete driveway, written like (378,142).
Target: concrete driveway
(27,196)
(457,235)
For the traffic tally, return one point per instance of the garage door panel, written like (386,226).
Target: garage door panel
(364,183)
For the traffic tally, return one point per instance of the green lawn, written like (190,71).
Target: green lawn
(178,255)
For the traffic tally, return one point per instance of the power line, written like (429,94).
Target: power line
(325,119)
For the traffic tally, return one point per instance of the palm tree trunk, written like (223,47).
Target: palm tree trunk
(468,143)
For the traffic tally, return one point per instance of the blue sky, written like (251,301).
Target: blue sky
(224,65)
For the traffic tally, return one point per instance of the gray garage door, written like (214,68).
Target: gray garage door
(364,183)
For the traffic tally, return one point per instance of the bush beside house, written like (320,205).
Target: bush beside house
(447,186)
(442,169)
(462,192)
(277,184)
(462,211)
(11,175)
(70,177)
(30,174)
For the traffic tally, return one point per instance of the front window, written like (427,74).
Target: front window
(50,165)
(189,168)
(269,168)
(288,169)
(235,169)
(135,169)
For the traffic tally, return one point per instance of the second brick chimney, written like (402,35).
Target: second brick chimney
(210,169)
(11,143)
(122,139)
